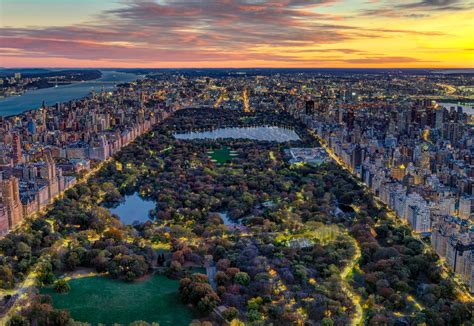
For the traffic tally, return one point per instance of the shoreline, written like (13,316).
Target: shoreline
(67,93)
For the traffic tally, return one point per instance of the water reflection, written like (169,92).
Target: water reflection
(133,209)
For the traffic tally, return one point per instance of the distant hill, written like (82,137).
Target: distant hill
(40,72)
(7,72)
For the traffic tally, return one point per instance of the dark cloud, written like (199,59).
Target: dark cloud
(225,22)
(171,30)
(417,9)
(435,4)
(197,30)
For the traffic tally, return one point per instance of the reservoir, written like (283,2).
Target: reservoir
(266,133)
(33,99)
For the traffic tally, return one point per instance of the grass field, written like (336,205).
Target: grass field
(221,155)
(103,300)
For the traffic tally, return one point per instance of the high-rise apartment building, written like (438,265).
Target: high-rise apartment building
(10,199)
(17,152)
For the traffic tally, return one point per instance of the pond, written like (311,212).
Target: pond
(133,209)
(266,133)
(227,220)
(100,299)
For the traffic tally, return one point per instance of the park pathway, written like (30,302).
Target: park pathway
(211,275)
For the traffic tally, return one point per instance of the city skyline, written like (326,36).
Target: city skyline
(237,34)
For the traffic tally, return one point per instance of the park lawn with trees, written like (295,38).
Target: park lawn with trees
(100,299)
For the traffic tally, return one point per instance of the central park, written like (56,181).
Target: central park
(292,242)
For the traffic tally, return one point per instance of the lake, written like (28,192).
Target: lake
(133,209)
(33,99)
(100,299)
(266,133)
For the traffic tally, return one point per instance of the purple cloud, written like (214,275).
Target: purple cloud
(187,30)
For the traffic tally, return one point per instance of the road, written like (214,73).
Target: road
(220,99)
(450,89)
(211,276)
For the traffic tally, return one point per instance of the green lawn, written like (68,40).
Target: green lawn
(221,155)
(104,300)
(247,119)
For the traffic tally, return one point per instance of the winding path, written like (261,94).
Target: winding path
(347,288)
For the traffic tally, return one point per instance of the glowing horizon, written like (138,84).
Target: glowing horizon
(237,34)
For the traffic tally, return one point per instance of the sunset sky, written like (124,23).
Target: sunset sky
(237,33)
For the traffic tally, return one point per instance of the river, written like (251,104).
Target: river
(33,99)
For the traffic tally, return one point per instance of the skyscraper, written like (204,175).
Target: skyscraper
(31,126)
(309,107)
(17,154)
(10,198)
(350,119)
